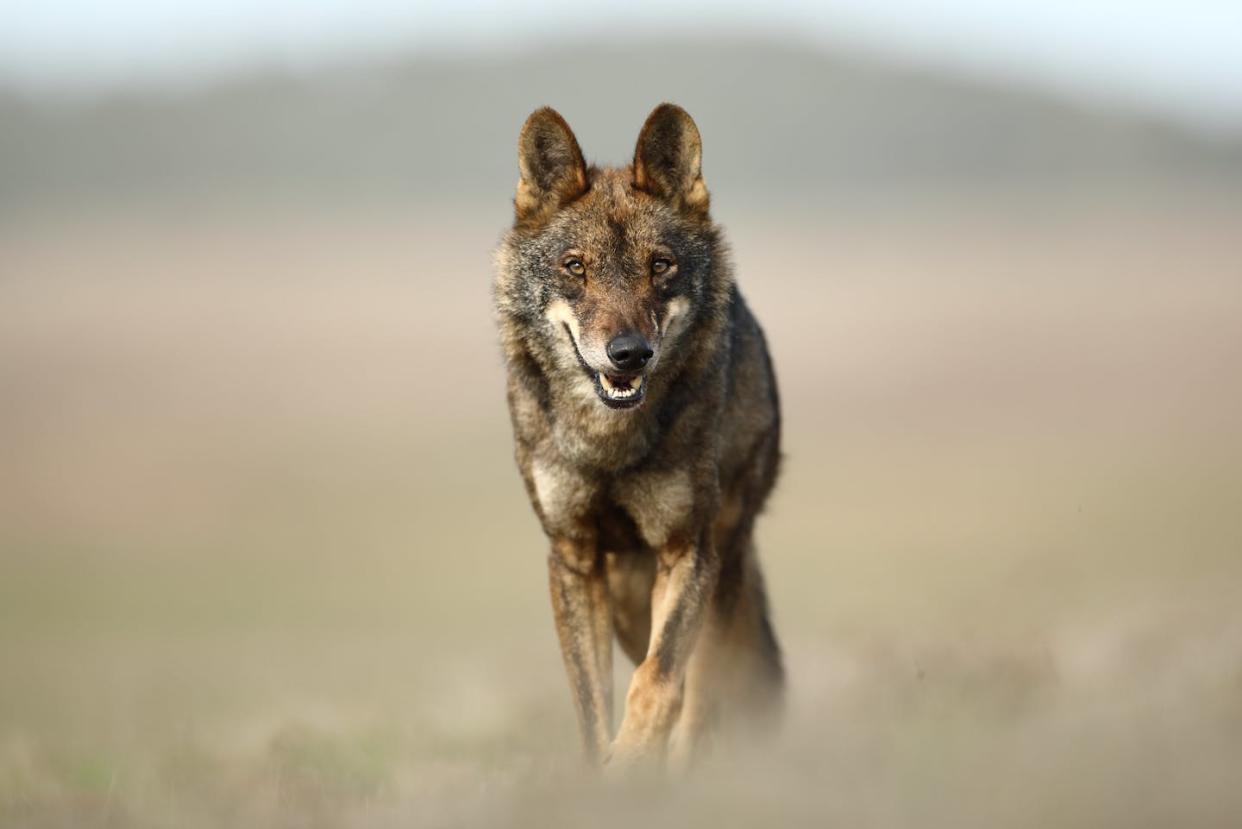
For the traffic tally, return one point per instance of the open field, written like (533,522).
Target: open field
(265,560)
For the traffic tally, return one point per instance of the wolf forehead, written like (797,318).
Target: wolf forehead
(616,228)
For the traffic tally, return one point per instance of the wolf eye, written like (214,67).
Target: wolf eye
(574,265)
(661,265)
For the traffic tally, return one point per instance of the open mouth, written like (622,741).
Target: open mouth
(618,390)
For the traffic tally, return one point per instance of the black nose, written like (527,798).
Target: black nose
(629,352)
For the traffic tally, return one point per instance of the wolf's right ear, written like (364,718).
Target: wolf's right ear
(550,162)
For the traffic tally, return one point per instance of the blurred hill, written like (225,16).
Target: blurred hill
(776,120)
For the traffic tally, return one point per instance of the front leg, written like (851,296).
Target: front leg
(685,582)
(584,626)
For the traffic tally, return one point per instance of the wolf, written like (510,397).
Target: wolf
(646,426)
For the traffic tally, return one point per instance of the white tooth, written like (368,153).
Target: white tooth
(637,382)
(603,379)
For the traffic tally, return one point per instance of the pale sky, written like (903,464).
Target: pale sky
(1182,57)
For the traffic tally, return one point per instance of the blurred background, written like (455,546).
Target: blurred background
(264,555)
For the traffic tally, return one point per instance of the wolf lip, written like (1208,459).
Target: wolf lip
(620,391)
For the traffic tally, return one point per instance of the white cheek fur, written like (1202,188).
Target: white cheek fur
(677,308)
(560,313)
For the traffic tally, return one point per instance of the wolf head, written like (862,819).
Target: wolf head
(607,273)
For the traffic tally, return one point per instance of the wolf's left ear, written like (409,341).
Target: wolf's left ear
(552,169)
(668,159)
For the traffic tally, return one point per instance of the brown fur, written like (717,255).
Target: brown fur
(650,509)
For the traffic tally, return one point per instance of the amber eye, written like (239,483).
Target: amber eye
(574,265)
(661,265)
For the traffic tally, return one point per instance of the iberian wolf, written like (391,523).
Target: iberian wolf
(647,430)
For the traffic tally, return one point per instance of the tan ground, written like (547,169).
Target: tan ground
(265,559)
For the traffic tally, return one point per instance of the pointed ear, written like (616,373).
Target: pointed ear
(667,160)
(550,163)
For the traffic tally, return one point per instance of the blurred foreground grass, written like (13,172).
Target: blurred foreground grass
(265,560)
